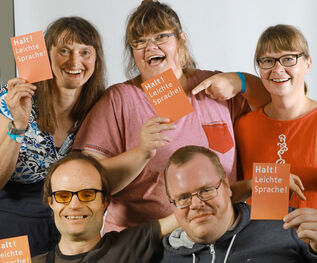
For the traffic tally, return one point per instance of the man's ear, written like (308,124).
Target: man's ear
(227,185)
(50,201)
(105,204)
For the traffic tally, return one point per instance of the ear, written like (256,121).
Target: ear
(309,61)
(105,204)
(183,37)
(227,186)
(50,201)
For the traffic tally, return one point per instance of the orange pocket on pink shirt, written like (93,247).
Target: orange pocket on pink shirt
(219,137)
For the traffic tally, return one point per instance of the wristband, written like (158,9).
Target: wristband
(17,138)
(243,82)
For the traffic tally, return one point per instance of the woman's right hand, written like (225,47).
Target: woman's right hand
(19,102)
(152,135)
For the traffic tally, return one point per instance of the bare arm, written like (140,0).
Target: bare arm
(241,190)
(125,167)
(224,86)
(167,225)
(18,101)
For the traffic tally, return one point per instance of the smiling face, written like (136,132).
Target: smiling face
(77,220)
(72,63)
(155,59)
(203,221)
(285,81)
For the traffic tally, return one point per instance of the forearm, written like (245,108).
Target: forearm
(167,225)
(255,93)
(241,190)
(122,169)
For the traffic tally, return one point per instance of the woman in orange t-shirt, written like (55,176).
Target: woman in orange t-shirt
(284,130)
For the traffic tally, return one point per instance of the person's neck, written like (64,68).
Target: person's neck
(71,247)
(290,108)
(64,100)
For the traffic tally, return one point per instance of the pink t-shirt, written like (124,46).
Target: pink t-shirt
(113,126)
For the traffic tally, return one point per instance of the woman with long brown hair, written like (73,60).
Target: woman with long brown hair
(38,123)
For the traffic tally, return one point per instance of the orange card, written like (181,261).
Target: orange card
(167,96)
(15,249)
(31,57)
(270,191)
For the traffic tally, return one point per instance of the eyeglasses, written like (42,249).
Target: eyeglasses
(157,40)
(203,194)
(85,195)
(288,60)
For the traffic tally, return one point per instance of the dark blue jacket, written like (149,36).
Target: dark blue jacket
(255,241)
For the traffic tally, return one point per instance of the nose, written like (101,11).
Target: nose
(151,44)
(75,202)
(278,66)
(196,202)
(74,58)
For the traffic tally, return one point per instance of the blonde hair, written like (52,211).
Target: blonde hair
(281,38)
(154,17)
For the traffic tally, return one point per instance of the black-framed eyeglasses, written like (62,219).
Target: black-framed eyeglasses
(157,40)
(204,194)
(84,195)
(288,60)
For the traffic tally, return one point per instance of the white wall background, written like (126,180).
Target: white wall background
(222,34)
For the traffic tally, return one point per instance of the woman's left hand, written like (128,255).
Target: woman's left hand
(221,86)
(296,186)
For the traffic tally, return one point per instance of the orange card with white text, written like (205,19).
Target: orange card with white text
(15,249)
(270,191)
(167,96)
(31,57)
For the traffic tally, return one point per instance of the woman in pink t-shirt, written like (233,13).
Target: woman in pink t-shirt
(134,144)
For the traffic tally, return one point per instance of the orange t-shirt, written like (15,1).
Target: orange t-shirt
(262,139)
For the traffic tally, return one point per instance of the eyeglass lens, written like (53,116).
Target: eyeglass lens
(157,40)
(85,195)
(286,61)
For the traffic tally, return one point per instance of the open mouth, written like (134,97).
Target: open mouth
(154,60)
(280,80)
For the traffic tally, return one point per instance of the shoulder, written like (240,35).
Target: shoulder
(196,76)
(247,118)
(120,91)
(40,258)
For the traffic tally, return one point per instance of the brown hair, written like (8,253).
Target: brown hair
(72,29)
(281,38)
(187,153)
(47,188)
(154,17)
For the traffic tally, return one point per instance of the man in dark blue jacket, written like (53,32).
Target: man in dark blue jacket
(215,230)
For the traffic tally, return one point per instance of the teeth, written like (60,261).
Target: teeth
(73,71)
(75,217)
(280,80)
(153,57)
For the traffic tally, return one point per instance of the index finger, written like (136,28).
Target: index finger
(294,217)
(202,86)
(15,81)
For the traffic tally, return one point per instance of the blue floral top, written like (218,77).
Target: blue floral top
(37,150)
